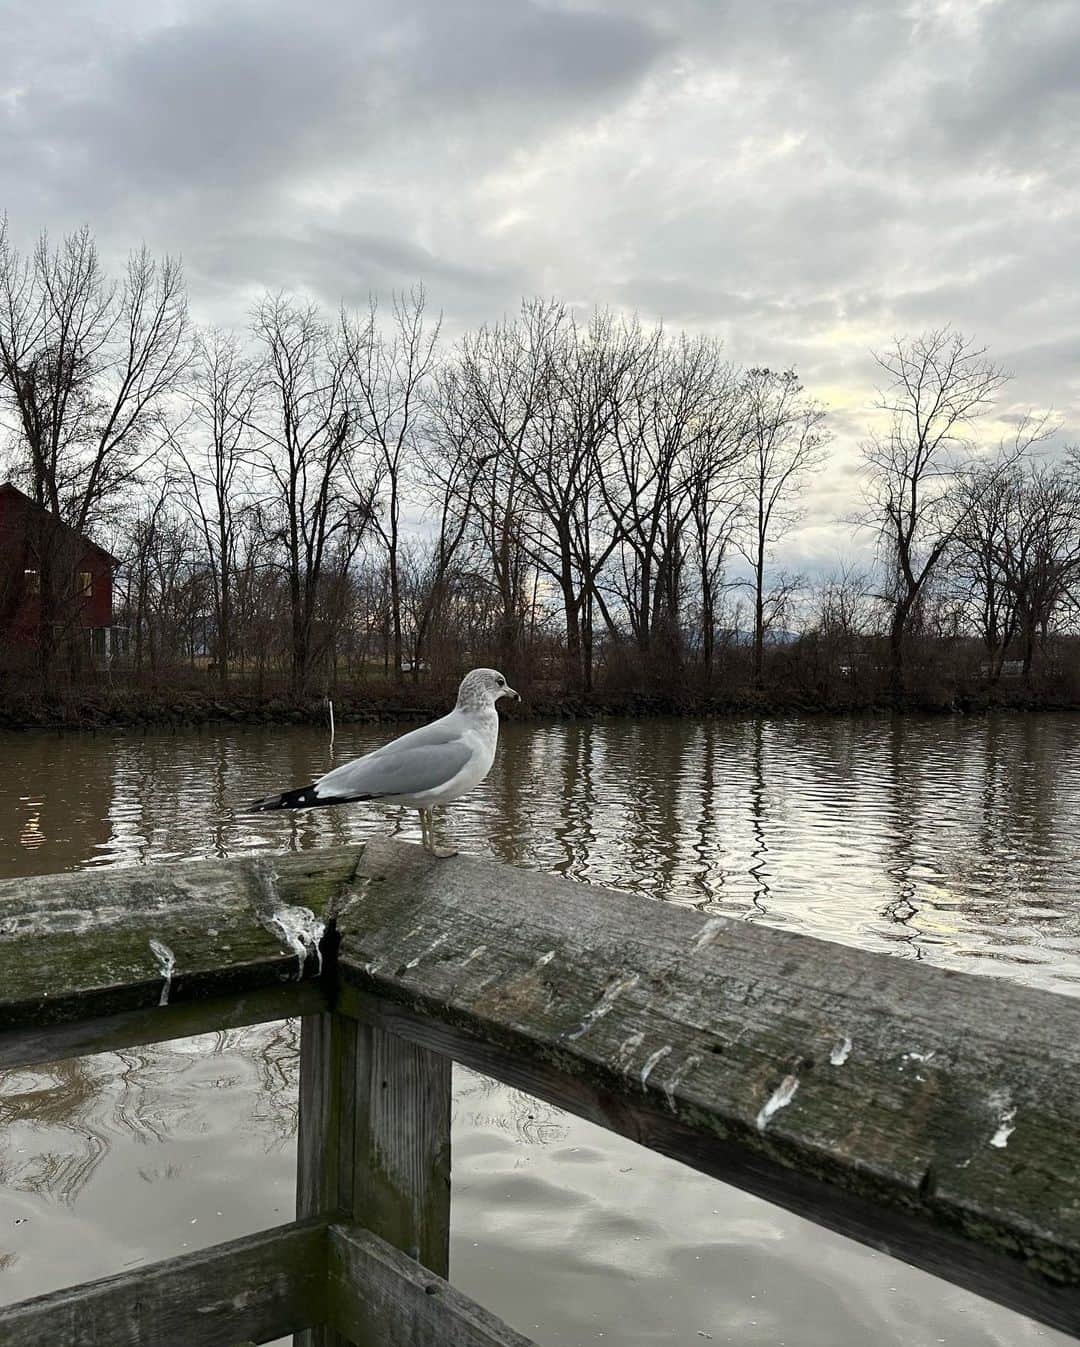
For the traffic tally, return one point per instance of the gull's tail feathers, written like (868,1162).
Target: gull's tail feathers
(304,797)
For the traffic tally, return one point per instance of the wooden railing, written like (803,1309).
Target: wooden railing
(933,1115)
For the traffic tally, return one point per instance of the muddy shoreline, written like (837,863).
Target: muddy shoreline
(127,707)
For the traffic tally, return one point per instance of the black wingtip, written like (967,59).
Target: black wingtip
(302,798)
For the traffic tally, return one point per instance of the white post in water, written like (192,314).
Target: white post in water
(329,702)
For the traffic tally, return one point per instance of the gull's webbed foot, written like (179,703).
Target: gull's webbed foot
(441,850)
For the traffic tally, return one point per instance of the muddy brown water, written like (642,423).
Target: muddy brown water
(948,840)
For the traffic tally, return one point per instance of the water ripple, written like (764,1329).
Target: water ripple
(945,840)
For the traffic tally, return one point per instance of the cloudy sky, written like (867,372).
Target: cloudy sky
(806,178)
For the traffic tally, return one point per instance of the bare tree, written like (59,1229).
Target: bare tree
(1037,552)
(162,582)
(846,607)
(451,466)
(938,386)
(715,489)
(87,366)
(662,412)
(306,441)
(390,374)
(570,531)
(981,541)
(504,379)
(786,440)
(260,602)
(214,457)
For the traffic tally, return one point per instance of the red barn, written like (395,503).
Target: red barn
(87,592)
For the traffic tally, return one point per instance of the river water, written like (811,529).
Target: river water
(943,839)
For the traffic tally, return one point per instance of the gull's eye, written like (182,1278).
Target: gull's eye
(501,682)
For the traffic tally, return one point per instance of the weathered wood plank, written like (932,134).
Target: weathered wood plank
(907,1236)
(76,946)
(327,1115)
(374,1139)
(108,1033)
(325,1141)
(378,1297)
(401,1160)
(932,1114)
(259,1287)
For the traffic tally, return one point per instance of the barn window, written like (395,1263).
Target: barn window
(86,584)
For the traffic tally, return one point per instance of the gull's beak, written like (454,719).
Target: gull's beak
(508,691)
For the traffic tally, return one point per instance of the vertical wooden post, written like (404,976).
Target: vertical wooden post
(324,1130)
(401,1157)
(374,1139)
(325,1127)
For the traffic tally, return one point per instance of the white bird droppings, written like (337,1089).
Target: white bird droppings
(1001,1102)
(430,950)
(780,1098)
(167,963)
(678,1076)
(709,932)
(627,1048)
(301,930)
(544,959)
(651,1061)
(611,994)
(474,954)
(841,1052)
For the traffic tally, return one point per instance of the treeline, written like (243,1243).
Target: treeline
(321,497)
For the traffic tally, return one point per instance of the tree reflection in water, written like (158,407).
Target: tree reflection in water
(58,1122)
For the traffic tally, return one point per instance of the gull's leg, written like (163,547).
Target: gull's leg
(425,830)
(436,849)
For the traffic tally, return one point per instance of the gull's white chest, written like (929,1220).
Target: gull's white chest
(481,736)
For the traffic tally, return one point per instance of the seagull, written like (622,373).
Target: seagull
(423,769)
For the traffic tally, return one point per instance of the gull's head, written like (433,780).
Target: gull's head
(484,687)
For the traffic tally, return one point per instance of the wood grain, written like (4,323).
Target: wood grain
(259,1287)
(108,1033)
(378,1297)
(76,947)
(325,1143)
(678,1029)
(374,1139)
(401,1162)
(932,1114)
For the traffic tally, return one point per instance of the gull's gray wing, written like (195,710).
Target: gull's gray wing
(408,766)
(447,729)
(423,759)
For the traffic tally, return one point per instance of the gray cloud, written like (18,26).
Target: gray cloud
(1018,100)
(248,95)
(804,179)
(350,267)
